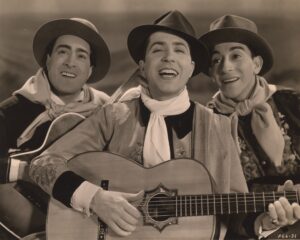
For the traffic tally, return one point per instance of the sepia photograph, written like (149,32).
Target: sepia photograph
(149,119)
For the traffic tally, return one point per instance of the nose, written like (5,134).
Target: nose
(168,56)
(226,65)
(70,60)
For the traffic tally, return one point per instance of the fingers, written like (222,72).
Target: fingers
(288,185)
(296,210)
(118,230)
(282,213)
(115,210)
(131,198)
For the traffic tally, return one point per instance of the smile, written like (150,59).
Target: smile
(168,72)
(230,80)
(68,74)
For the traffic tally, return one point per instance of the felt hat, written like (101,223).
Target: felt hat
(231,28)
(79,27)
(173,22)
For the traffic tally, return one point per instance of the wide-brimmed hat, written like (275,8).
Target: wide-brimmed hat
(231,28)
(173,22)
(79,27)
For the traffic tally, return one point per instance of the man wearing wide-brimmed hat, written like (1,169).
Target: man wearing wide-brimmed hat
(268,115)
(160,124)
(71,53)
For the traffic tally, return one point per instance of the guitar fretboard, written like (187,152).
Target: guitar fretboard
(213,204)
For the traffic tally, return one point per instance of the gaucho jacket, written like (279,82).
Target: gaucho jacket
(120,128)
(260,172)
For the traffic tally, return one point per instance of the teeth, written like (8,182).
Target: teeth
(67,74)
(168,72)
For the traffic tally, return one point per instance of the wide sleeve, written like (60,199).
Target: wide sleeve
(50,170)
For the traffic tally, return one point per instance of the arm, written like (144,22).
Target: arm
(50,171)
(16,113)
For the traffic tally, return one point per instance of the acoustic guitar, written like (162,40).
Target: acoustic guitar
(23,201)
(179,200)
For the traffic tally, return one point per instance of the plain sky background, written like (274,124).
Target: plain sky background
(278,21)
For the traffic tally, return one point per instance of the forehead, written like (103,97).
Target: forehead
(166,38)
(72,41)
(228,47)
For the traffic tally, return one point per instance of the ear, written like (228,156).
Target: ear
(258,63)
(192,68)
(142,68)
(48,59)
(90,71)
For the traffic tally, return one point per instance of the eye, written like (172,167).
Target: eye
(236,56)
(82,56)
(155,50)
(61,51)
(180,50)
(215,60)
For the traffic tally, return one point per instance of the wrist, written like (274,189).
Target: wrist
(94,201)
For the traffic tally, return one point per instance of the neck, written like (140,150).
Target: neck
(67,98)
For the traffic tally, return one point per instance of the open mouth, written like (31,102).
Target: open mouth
(68,74)
(168,73)
(230,80)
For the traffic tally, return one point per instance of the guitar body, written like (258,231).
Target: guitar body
(23,205)
(179,176)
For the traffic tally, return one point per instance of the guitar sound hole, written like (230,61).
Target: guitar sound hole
(161,207)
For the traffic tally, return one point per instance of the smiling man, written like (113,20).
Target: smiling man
(71,53)
(268,116)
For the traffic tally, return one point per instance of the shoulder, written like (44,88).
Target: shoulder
(286,94)
(287,99)
(211,116)
(98,96)
(121,110)
(20,103)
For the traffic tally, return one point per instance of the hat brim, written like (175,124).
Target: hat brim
(139,35)
(52,30)
(257,44)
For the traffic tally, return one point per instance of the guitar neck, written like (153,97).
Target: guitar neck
(232,203)
(213,204)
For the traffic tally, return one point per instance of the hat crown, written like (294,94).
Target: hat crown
(177,21)
(232,21)
(86,23)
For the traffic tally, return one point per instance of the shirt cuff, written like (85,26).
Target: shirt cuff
(263,234)
(82,197)
(14,170)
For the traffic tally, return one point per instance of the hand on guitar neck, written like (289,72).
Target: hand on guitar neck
(115,210)
(280,213)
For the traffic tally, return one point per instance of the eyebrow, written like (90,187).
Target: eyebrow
(69,47)
(230,49)
(162,43)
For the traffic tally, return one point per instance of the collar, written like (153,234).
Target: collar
(181,123)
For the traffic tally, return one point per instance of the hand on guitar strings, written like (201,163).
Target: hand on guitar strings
(281,213)
(114,209)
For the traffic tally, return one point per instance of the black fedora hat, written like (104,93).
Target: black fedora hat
(173,22)
(79,27)
(231,28)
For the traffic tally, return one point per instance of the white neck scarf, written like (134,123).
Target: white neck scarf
(37,90)
(156,145)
